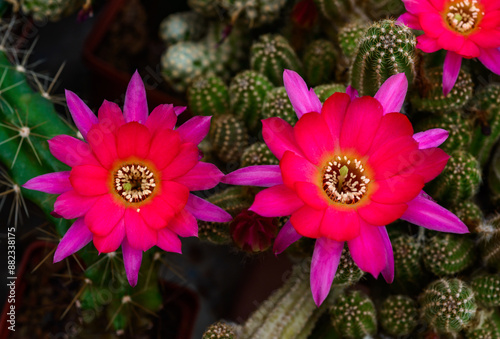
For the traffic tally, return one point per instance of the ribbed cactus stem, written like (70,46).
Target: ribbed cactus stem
(449,254)
(398,315)
(325,91)
(277,104)
(208,95)
(349,37)
(487,289)
(354,316)
(229,138)
(319,62)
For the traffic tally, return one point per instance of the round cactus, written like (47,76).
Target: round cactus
(229,138)
(319,62)
(277,104)
(407,260)
(349,37)
(348,273)
(208,95)
(459,180)
(353,315)
(449,254)
(386,49)
(184,26)
(271,54)
(207,8)
(325,91)
(469,212)
(258,154)
(246,93)
(219,331)
(398,315)
(52,10)
(448,306)
(489,241)
(253,13)
(433,100)
(334,9)
(487,289)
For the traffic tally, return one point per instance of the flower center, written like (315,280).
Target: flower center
(463,16)
(134,183)
(344,181)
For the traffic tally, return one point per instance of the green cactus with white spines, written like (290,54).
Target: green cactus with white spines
(449,254)
(432,99)
(349,37)
(354,316)
(398,315)
(207,8)
(277,104)
(487,133)
(208,95)
(52,10)
(348,273)
(459,180)
(448,306)
(407,260)
(334,10)
(325,91)
(184,26)
(258,154)
(489,241)
(494,176)
(487,289)
(272,54)
(229,138)
(220,330)
(386,49)
(319,62)
(254,13)
(246,95)
(469,212)
(458,127)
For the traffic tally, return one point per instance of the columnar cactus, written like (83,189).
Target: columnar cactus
(350,36)
(386,49)
(398,315)
(277,104)
(208,95)
(449,254)
(319,62)
(229,138)
(354,315)
(258,154)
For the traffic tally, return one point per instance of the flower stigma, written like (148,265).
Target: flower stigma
(134,183)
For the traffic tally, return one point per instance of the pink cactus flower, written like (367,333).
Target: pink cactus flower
(348,168)
(465,28)
(130,180)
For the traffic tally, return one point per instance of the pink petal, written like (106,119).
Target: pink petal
(103,144)
(422,211)
(52,183)
(451,40)
(490,5)
(203,176)
(133,140)
(294,168)
(112,241)
(160,155)
(392,126)
(157,214)
(312,195)
(410,20)
(139,235)
(206,211)
(162,117)
(90,180)
(132,261)
(195,129)
(470,49)
(487,38)
(71,205)
(368,250)
(388,271)
(431,138)
(303,100)
(306,221)
(83,117)
(110,116)
(340,225)
(136,105)
(365,115)
(490,21)
(432,24)
(77,236)
(428,163)
(333,112)
(184,224)
(314,137)
(398,189)
(392,93)
(378,214)
(261,175)
(175,195)
(71,151)
(169,241)
(491,59)
(393,157)
(428,44)
(451,69)
(286,236)
(352,92)
(325,260)
(182,163)
(276,201)
(179,110)
(418,6)
(279,137)
(103,216)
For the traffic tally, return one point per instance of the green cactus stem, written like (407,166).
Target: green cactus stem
(229,138)
(325,91)
(494,176)
(208,95)
(334,10)
(407,260)
(398,315)
(350,36)
(258,154)
(277,104)
(348,273)
(449,254)
(319,62)
(354,316)
(52,10)
(489,241)
(469,212)
(487,290)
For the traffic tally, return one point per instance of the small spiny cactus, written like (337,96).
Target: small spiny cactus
(208,95)
(253,13)
(407,260)
(348,273)
(184,26)
(258,154)
(334,9)
(277,104)
(469,212)
(489,241)
(349,37)
(398,315)
(354,316)
(229,138)
(219,330)
(325,91)
(319,62)
(448,254)
(487,289)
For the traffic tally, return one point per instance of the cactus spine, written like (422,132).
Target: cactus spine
(448,254)
(354,315)
(277,104)
(208,95)
(399,315)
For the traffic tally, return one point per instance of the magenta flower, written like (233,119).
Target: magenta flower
(348,168)
(130,181)
(465,28)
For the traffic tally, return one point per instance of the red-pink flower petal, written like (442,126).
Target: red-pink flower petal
(410,20)
(71,205)
(133,140)
(490,21)
(325,260)
(260,175)
(340,225)
(378,214)
(393,157)
(71,151)
(306,221)
(392,126)
(203,176)
(451,69)
(432,24)
(136,105)
(368,250)
(388,271)
(110,243)
(90,180)
(491,59)
(77,236)
(103,144)
(398,189)
(160,154)
(358,131)
(276,201)
(195,129)
(52,183)
(169,241)
(485,38)
(294,168)
(179,110)
(303,100)
(311,195)
(206,211)
(162,117)
(451,41)
(185,160)
(314,137)
(139,235)
(470,49)
(279,137)
(490,5)
(392,93)
(110,116)
(428,163)
(286,236)
(174,194)
(418,6)
(156,214)
(431,138)
(132,261)
(428,44)
(184,224)
(333,112)
(103,216)
(83,117)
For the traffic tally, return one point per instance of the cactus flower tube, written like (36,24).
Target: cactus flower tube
(348,168)
(130,180)
(465,28)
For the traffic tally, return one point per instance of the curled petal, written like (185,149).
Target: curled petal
(491,59)
(451,69)
(112,241)
(431,138)
(83,117)
(206,211)
(77,236)
(279,137)
(392,93)
(368,250)
(169,241)
(303,100)
(286,236)
(52,183)
(184,224)
(352,92)
(276,201)
(71,151)
(179,110)
(132,261)
(162,117)
(72,205)
(262,176)
(195,129)
(110,116)
(203,176)
(136,105)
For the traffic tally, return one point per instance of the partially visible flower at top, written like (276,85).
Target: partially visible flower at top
(465,28)
(252,232)
(305,13)
(348,168)
(130,181)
